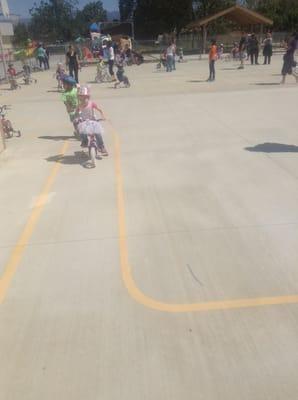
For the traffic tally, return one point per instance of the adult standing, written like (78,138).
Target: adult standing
(170,57)
(242,47)
(41,56)
(174,54)
(289,59)
(111,59)
(47,57)
(267,51)
(254,49)
(72,61)
(212,60)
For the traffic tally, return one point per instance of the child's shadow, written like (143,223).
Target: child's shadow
(79,157)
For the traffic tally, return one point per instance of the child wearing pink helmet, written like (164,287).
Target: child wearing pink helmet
(87,122)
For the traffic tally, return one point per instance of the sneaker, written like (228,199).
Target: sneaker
(104,152)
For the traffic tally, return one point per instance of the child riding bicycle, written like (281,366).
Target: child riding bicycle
(86,121)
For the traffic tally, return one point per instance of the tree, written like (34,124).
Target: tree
(53,19)
(202,8)
(60,19)
(157,16)
(92,12)
(126,8)
(21,34)
(284,13)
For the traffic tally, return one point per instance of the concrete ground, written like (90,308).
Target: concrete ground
(170,270)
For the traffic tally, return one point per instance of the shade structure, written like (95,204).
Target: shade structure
(240,15)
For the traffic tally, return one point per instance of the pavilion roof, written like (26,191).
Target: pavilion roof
(241,15)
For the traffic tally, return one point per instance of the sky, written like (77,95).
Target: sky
(21,7)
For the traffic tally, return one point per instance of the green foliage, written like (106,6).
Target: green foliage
(92,12)
(284,13)
(53,19)
(126,8)
(157,16)
(61,20)
(21,35)
(203,8)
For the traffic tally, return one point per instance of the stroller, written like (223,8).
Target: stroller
(27,75)
(102,74)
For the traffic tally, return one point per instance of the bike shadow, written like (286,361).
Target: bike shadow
(78,158)
(57,138)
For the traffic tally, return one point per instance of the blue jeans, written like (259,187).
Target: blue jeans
(170,63)
(212,70)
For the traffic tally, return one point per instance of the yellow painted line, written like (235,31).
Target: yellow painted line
(149,302)
(18,251)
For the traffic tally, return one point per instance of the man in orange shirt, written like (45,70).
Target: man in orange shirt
(212,59)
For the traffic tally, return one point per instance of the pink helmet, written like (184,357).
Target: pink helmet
(84,91)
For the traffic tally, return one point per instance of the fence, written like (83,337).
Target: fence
(193,43)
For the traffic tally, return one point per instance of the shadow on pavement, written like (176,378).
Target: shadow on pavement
(266,84)
(78,157)
(197,81)
(229,69)
(273,148)
(56,138)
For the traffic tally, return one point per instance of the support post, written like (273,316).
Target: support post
(2,54)
(204,38)
(262,33)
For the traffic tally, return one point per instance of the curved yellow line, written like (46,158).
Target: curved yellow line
(149,302)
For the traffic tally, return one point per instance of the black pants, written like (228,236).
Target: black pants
(254,56)
(46,63)
(212,70)
(111,67)
(267,59)
(41,62)
(74,72)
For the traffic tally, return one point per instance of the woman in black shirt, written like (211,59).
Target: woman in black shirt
(72,61)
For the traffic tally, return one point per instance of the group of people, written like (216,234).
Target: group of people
(73,63)
(249,48)
(111,54)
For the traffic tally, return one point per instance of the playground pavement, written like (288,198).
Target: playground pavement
(168,272)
